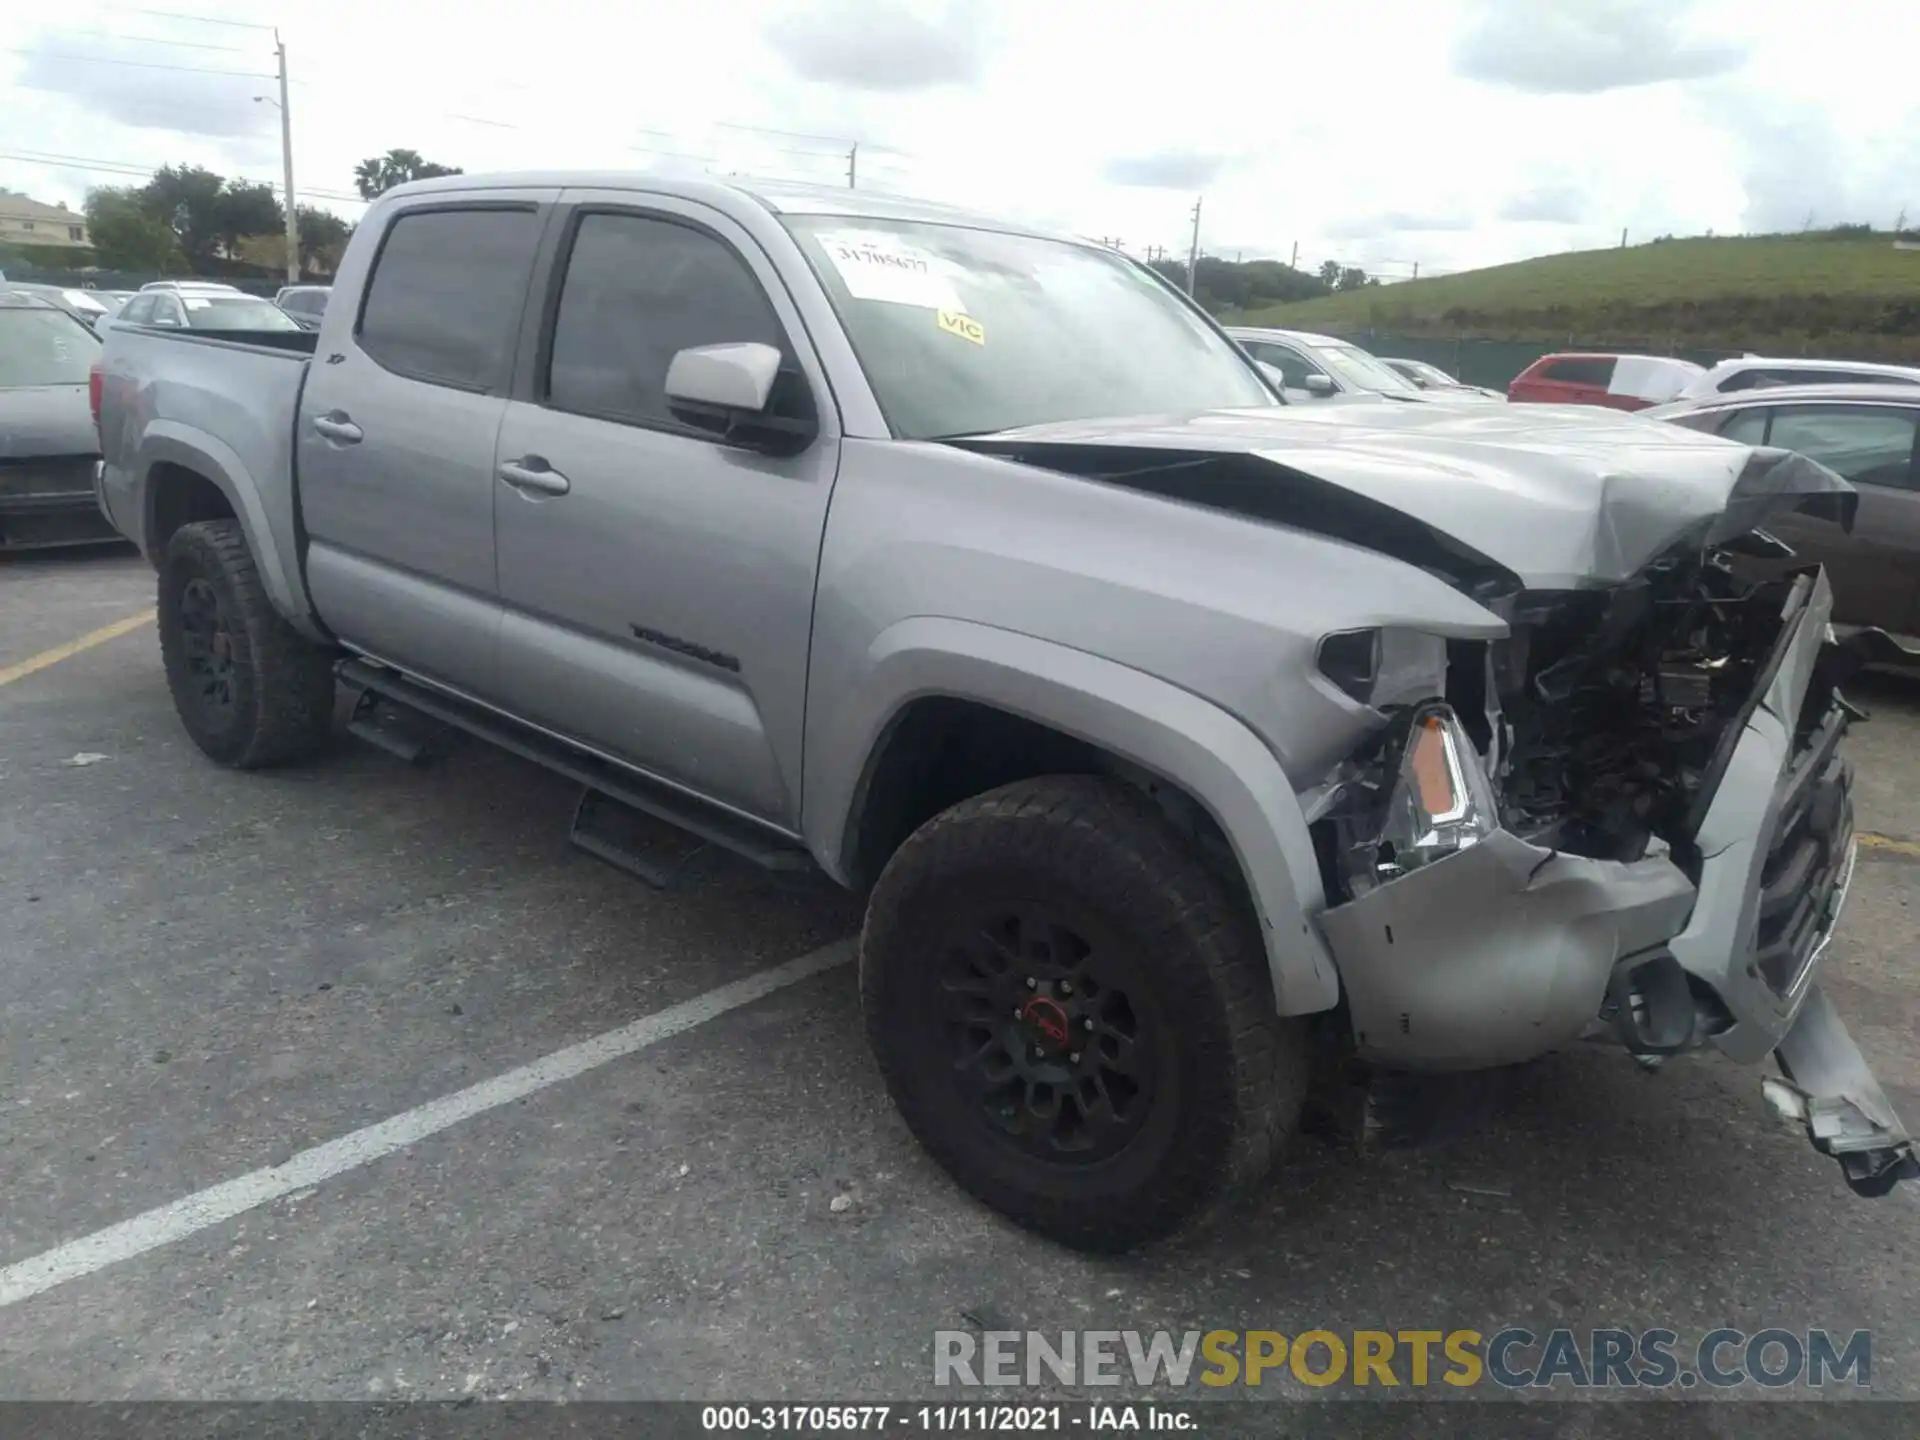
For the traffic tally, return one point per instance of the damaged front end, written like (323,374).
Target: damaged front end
(1629,819)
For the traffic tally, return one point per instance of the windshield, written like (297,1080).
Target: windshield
(44,347)
(1358,368)
(966,332)
(235,312)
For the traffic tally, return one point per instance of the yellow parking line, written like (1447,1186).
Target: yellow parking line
(1870,841)
(74,647)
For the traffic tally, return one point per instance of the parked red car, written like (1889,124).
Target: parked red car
(1619,382)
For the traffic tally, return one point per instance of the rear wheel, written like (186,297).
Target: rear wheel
(1073,1014)
(250,690)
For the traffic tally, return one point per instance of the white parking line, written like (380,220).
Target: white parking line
(184,1217)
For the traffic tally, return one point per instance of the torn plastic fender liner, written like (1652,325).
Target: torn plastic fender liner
(1495,954)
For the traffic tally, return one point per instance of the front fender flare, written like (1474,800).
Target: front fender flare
(168,443)
(1175,734)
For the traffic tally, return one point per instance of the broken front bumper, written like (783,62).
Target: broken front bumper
(1502,951)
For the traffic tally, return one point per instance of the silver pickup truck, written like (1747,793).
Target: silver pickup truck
(1206,761)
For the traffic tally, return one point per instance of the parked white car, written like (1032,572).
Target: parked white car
(1754,372)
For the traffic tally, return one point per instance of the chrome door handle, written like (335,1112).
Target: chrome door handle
(544,481)
(338,427)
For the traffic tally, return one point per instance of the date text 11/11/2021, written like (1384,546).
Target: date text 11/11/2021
(1099,1418)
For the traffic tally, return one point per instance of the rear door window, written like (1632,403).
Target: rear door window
(444,302)
(1579,370)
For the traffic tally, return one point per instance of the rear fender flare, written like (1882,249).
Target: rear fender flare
(1172,733)
(168,443)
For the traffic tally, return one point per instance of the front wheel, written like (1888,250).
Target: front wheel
(1074,1016)
(250,690)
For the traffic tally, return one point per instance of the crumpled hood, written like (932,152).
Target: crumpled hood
(46,420)
(1562,496)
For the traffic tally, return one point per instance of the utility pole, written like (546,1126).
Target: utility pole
(286,164)
(1416,269)
(1193,253)
(1623,238)
(1294,263)
(853,161)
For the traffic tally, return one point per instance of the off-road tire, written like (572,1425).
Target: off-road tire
(1238,1072)
(280,685)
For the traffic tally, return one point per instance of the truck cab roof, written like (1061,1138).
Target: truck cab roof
(777,196)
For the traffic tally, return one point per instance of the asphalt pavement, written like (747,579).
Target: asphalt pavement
(573,1143)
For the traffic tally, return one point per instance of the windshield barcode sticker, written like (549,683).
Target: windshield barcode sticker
(880,267)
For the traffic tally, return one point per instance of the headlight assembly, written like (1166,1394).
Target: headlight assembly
(1438,801)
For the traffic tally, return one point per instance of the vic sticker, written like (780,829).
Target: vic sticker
(965,326)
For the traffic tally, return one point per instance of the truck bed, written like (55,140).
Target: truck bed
(225,400)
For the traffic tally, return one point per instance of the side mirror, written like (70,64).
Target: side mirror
(727,390)
(1320,386)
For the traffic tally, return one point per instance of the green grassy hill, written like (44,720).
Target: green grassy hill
(1777,294)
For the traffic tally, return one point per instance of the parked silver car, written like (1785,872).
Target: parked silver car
(1322,367)
(1432,377)
(49,452)
(1871,435)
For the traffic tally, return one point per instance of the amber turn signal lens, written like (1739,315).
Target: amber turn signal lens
(1433,769)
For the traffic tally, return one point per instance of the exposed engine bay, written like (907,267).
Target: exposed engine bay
(1615,702)
(1601,725)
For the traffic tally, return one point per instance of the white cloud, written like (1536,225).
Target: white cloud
(1582,47)
(1298,124)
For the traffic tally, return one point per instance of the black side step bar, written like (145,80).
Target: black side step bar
(597,777)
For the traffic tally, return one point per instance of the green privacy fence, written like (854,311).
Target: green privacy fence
(1494,363)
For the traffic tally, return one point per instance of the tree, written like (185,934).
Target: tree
(323,238)
(1330,273)
(187,200)
(374,176)
(1352,277)
(126,235)
(245,209)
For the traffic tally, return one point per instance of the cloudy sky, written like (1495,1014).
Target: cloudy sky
(1379,132)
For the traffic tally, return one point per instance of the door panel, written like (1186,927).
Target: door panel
(660,609)
(395,438)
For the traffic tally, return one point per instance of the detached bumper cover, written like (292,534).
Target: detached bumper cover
(1830,1090)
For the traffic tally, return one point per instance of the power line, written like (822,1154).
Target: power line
(137,64)
(195,19)
(91,165)
(156,40)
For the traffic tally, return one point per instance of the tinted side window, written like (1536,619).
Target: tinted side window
(1868,447)
(1749,427)
(444,301)
(139,310)
(637,291)
(1579,372)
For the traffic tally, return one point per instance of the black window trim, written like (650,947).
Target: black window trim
(541,210)
(537,386)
